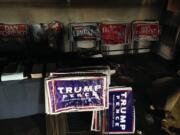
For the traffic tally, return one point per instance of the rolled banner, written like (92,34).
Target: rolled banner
(145,36)
(116,36)
(120,117)
(73,94)
(84,37)
(13,37)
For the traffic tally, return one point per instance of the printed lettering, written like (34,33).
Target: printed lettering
(123,119)
(118,97)
(124,95)
(123,126)
(123,102)
(117,124)
(60,89)
(97,87)
(117,111)
(117,118)
(68,89)
(88,88)
(117,104)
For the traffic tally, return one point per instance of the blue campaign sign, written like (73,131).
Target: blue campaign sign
(121,113)
(79,94)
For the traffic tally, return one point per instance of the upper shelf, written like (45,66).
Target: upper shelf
(82,3)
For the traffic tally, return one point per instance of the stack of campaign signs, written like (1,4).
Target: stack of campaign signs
(77,91)
(87,89)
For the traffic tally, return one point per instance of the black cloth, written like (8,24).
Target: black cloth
(21,98)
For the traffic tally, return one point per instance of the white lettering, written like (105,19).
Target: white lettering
(88,88)
(118,97)
(124,95)
(123,118)
(116,124)
(117,111)
(60,90)
(68,90)
(97,87)
(123,110)
(117,104)
(123,126)
(71,95)
(77,90)
(117,118)
(86,95)
(79,95)
(123,102)
(64,97)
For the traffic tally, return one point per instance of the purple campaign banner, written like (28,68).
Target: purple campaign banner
(121,111)
(84,94)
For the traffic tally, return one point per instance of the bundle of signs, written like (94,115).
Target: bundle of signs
(88,89)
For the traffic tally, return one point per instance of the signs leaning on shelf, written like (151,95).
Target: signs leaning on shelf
(115,37)
(145,36)
(47,34)
(22,37)
(85,38)
(13,37)
(120,117)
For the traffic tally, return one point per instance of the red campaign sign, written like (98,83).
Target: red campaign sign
(147,31)
(13,30)
(113,33)
(56,26)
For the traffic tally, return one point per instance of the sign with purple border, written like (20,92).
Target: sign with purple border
(69,94)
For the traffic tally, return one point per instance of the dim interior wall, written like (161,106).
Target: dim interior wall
(38,14)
